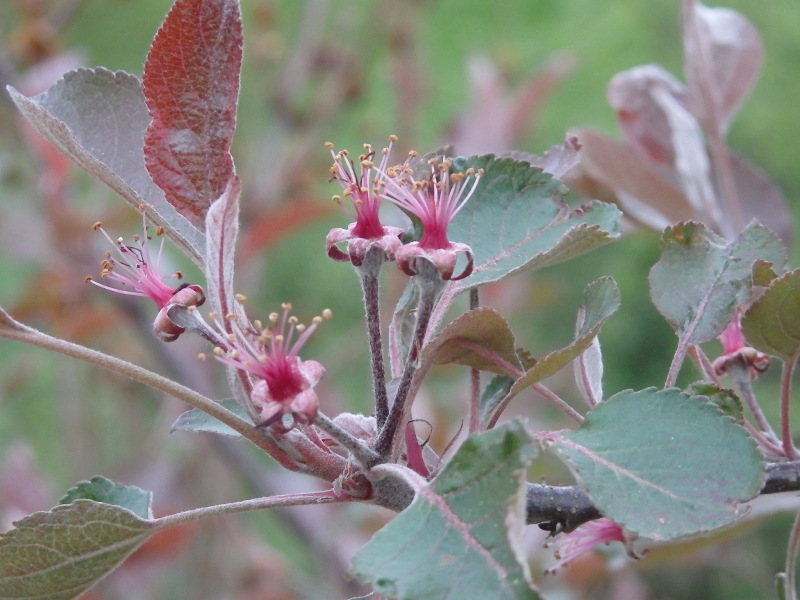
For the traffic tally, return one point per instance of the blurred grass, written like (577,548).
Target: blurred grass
(79,422)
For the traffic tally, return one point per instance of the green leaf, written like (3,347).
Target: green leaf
(197,420)
(98,118)
(517,218)
(480,338)
(492,398)
(601,300)
(701,279)
(772,324)
(100,489)
(663,464)
(461,536)
(59,554)
(724,399)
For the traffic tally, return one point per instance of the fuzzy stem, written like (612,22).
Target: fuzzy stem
(791,559)
(677,361)
(195,514)
(739,373)
(786,386)
(558,402)
(428,281)
(475,378)
(22,333)
(368,273)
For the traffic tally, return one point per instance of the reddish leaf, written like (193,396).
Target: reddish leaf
(611,170)
(641,118)
(722,58)
(191,85)
(761,199)
(222,228)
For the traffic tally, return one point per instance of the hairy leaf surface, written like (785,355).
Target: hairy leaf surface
(701,279)
(517,219)
(461,536)
(663,464)
(59,554)
(98,118)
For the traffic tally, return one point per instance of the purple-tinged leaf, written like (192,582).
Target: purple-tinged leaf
(556,161)
(761,199)
(222,228)
(663,464)
(722,58)
(613,171)
(517,219)
(641,119)
(480,339)
(772,324)
(191,85)
(98,119)
(461,537)
(701,279)
(61,553)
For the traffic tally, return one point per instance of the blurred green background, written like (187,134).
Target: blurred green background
(351,72)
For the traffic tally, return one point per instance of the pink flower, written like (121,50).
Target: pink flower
(134,268)
(284,384)
(735,348)
(435,199)
(575,544)
(367,231)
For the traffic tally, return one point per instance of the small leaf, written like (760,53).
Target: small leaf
(517,219)
(98,119)
(100,489)
(492,398)
(663,464)
(61,553)
(601,299)
(197,420)
(401,330)
(191,84)
(772,324)
(461,537)
(480,338)
(700,279)
(724,399)
(222,228)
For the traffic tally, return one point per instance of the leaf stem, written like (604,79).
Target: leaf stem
(786,386)
(677,361)
(368,274)
(791,559)
(195,514)
(739,373)
(559,402)
(475,378)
